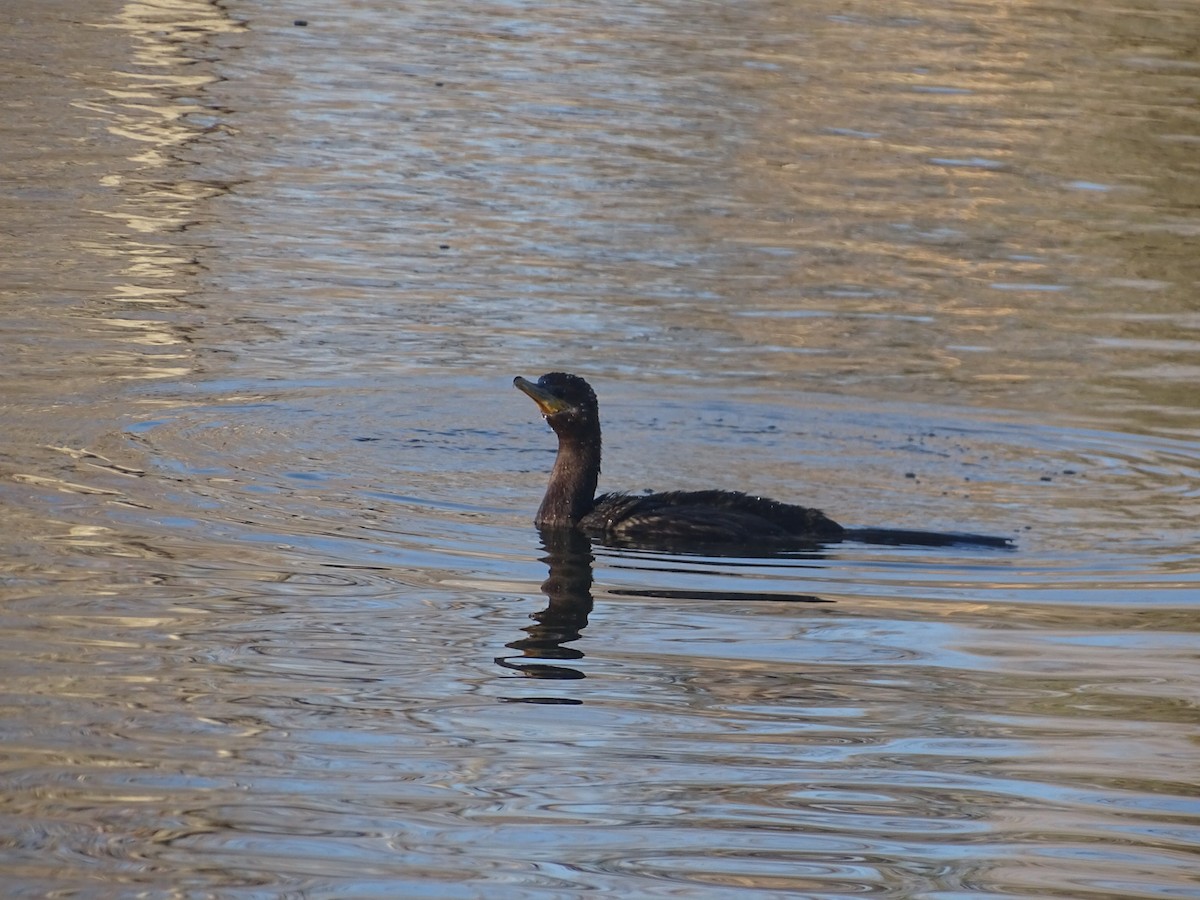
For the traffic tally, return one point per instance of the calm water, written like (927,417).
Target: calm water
(275,619)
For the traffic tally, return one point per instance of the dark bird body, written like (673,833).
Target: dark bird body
(704,518)
(677,520)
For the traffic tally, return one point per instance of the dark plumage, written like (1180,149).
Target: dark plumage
(675,519)
(705,518)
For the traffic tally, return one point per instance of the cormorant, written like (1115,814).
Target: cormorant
(676,520)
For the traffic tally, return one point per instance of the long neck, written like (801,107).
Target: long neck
(573,482)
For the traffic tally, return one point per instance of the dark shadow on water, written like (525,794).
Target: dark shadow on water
(568,587)
(724,596)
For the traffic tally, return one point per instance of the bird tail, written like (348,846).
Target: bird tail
(907,537)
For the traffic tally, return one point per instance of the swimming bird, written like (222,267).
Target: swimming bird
(678,520)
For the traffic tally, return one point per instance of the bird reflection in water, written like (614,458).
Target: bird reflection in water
(569,590)
(568,587)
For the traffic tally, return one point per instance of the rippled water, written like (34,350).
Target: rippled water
(275,620)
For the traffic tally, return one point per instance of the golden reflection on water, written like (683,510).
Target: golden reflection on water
(158,108)
(1017,181)
(98,255)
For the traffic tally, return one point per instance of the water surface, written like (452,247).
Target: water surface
(275,619)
